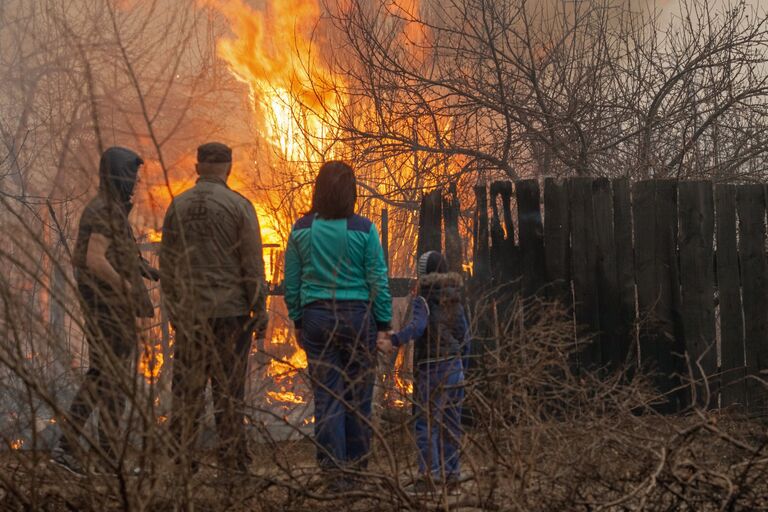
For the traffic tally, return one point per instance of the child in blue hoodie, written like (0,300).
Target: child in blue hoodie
(440,331)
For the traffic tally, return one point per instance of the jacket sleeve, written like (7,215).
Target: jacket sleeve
(169,258)
(293,270)
(418,324)
(378,281)
(252,261)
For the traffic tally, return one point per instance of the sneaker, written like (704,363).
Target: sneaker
(452,487)
(127,471)
(67,461)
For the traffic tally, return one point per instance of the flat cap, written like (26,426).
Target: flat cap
(214,153)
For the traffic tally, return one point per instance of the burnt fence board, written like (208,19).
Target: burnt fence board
(672,348)
(653,270)
(531,236)
(583,268)
(654,218)
(611,348)
(557,242)
(481,268)
(697,222)
(385,235)
(729,298)
(453,249)
(754,279)
(505,264)
(430,223)
(625,275)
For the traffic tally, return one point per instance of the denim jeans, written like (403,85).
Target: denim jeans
(339,338)
(438,396)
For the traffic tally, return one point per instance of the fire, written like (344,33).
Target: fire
(17,444)
(284,369)
(400,394)
(286,397)
(151,361)
(154,236)
(293,92)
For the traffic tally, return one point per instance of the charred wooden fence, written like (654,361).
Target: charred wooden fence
(671,275)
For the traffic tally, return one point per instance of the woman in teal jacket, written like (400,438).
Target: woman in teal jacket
(337,293)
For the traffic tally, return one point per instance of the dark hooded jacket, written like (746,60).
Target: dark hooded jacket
(107,215)
(439,324)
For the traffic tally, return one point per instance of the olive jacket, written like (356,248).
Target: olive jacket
(211,261)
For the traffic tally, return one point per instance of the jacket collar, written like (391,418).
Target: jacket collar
(212,179)
(445,279)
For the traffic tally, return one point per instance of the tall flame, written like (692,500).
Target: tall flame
(292,90)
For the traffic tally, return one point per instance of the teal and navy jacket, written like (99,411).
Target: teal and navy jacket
(336,259)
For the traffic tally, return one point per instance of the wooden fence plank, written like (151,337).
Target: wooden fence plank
(531,236)
(696,209)
(385,235)
(584,265)
(625,273)
(612,350)
(453,249)
(754,279)
(481,265)
(655,228)
(557,242)
(430,223)
(668,311)
(505,255)
(732,385)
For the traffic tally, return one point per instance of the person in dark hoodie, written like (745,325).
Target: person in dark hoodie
(108,270)
(440,331)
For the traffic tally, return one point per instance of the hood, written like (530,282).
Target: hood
(441,286)
(118,170)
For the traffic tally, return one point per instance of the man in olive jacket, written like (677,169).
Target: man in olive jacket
(212,276)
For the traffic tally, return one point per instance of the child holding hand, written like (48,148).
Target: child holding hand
(440,331)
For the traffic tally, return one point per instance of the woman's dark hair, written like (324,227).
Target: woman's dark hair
(335,191)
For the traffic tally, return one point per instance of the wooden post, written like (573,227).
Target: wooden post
(385,236)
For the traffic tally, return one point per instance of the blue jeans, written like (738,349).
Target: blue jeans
(438,396)
(340,341)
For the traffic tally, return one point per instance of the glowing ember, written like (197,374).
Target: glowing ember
(286,397)
(151,362)
(154,235)
(281,369)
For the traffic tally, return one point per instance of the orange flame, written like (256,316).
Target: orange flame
(17,444)
(151,362)
(286,397)
(293,92)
